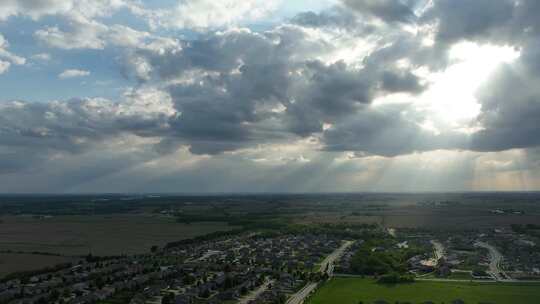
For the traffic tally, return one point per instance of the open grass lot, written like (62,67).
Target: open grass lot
(100,235)
(12,262)
(351,291)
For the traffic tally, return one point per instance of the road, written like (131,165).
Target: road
(334,256)
(439,249)
(301,296)
(256,293)
(495,258)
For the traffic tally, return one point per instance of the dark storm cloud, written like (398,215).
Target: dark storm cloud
(338,17)
(510,99)
(483,20)
(239,79)
(61,124)
(507,22)
(220,111)
(239,89)
(401,82)
(36,131)
(225,51)
(333,92)
(386,131)
(510,109)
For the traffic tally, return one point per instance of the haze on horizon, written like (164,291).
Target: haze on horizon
(197,96)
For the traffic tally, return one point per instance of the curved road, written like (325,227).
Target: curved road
(439,249)
(495,258)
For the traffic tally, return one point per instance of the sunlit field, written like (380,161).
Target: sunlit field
(352,291)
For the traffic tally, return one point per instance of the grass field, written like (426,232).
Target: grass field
(351,291)
(100,235)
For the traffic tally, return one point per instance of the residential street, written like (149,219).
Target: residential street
(495,260)
(256,293)
(300,296)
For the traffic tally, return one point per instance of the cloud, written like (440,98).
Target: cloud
(386,10)
(339,86)
(7,58)
(91,34)
(253,88)
(34,9)
(481,20)
(73,73)
(510,108)
(85,24)
(336,17)
(40,8)
(207,14)
(4,66)
(82,35)
(77,141)
(79,120)
(388,131)
(42,57)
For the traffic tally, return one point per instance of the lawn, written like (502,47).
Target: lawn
(352,290)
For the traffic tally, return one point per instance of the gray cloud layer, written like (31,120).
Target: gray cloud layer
(236,89)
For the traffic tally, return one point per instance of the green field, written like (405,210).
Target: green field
(351,291)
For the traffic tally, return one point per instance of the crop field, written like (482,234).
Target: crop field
(416,217)
(12,262)
(99,235)
(352,291)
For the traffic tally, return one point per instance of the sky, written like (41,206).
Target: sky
(206,96)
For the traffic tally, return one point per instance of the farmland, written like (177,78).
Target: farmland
(99,235)
(351,291)
(11,262)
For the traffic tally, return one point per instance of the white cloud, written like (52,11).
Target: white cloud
(4,66)
(91,34)
(82,8)
(34,9)
(7,58)
(204,14)
(42,57)
(73,73)
(83,34)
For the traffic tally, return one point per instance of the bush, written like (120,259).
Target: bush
(394,278)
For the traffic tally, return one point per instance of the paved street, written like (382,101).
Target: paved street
(300,296)
(439,249)
(495,258)
(256,293)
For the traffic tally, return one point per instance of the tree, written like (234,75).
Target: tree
(205,293)
(99,283)
(168,298)
(243,290)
